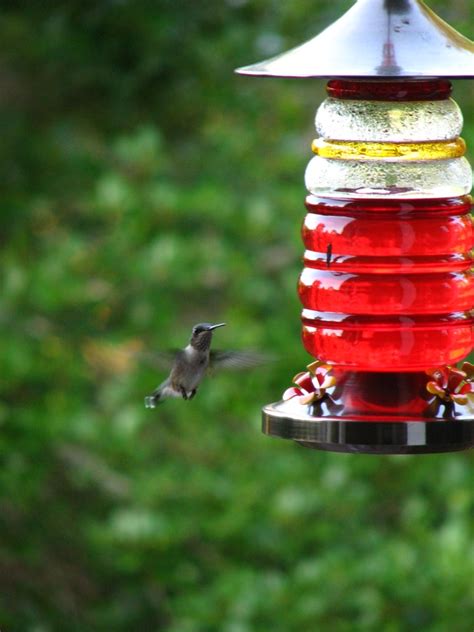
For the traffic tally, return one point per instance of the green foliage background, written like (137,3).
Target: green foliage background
(145,187)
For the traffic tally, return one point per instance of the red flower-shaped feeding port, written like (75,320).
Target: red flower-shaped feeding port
(452,384)
(311,385)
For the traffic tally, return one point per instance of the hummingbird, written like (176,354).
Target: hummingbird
(190,365)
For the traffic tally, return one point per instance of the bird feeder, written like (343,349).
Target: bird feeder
(387,286)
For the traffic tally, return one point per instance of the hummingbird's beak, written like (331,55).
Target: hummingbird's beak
(216,326)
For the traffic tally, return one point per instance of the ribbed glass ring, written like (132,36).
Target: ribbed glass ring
(361,150)
(388,178)
(394,90)
(389,122)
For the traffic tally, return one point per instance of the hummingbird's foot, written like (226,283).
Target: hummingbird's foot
(193,393)
(182,390)
(150,401)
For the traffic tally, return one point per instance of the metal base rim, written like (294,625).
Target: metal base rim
(409,436)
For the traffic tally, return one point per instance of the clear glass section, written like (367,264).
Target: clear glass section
(384,121)
(354,178)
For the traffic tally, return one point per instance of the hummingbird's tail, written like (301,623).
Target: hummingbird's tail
(160,393)
(156,397)
(151,401)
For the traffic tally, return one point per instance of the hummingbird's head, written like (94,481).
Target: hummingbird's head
(202,335)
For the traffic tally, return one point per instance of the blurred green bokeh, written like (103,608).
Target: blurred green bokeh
(145,187)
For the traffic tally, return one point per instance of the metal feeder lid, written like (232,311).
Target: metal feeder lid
(377,38)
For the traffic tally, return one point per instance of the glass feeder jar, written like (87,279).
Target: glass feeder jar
(387,285)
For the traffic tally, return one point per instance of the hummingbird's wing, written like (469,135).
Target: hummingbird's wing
(236,360)
(162,360)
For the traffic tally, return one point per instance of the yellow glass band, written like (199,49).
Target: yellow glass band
(360,150)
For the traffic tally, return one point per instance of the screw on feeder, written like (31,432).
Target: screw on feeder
(388,284)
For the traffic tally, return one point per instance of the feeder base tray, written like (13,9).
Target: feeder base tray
(290,420)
